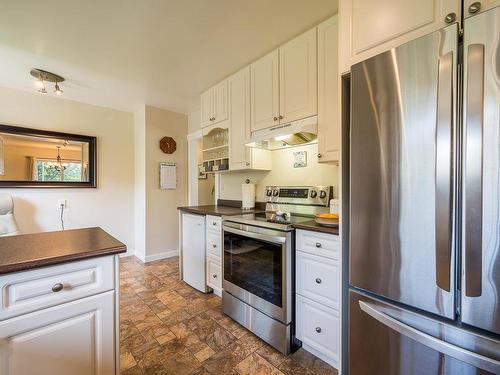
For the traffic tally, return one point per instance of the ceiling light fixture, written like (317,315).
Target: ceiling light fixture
(57,90)
(43,76)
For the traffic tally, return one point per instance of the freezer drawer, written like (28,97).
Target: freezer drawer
(385,339)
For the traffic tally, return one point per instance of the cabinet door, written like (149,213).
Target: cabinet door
(207,108)
(299,78)
(76,338)
(328,91)
(220,102)
(369,27)
(239,98)
(471,6)
(264,92)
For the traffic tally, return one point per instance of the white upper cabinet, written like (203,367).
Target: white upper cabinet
(472,7)
(220,102)
(328,92)
(264,88)
(369,27)
(206,108)
(242,157)
(239,94)
(298,78)
(214,105)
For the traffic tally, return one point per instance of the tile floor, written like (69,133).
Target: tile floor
(167,327)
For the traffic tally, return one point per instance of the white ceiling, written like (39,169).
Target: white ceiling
(123,53)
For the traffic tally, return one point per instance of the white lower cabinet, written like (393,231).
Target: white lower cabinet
(318,327)
(318,294)
(76,338)
(214,254)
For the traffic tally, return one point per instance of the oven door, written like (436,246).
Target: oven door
(257,268)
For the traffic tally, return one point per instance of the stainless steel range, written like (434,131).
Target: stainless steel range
(259,261)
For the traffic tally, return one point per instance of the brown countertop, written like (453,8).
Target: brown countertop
(27,251)
(217,210)
(315,227)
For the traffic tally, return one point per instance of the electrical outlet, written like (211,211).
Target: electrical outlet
(61,203)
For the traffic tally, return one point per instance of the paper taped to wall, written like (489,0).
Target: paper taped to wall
(168,176)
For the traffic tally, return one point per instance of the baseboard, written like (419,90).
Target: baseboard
(159,256)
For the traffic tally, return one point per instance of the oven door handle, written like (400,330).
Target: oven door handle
(257,236)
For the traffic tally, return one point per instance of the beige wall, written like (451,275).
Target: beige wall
(157,216)
(194,121)
(111,205)
(283,173)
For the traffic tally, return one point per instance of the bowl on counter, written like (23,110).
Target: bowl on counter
(327,220)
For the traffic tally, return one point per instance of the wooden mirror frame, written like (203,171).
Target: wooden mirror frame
(92,141)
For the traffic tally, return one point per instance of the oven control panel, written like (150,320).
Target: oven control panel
(304,195)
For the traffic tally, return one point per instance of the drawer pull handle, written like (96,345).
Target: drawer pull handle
(318,281)
(318,245)
(318,329)
(214,276)
(57,287)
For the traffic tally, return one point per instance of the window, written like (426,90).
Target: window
(50,170)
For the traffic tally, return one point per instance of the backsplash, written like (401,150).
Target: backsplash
(283,173)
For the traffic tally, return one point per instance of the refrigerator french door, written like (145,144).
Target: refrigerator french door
(424,243)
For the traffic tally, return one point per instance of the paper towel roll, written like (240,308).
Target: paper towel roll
(247,196)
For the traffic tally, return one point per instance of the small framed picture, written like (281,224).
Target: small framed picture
(300,159)
(201,172)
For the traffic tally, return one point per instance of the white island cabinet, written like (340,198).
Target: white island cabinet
(59,303)
(61,319)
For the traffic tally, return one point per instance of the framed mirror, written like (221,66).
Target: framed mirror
(39,158)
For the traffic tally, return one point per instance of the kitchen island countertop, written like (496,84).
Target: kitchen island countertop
(29,251)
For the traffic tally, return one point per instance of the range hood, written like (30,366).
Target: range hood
(291,134)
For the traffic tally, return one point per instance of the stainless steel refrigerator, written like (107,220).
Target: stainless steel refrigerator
(424,242)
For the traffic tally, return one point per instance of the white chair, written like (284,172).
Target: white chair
(8,226)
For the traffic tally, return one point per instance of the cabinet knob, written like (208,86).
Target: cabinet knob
(214,246)
(275,118)
(450,18)
(280,117)
(318,245)
(214,276)
(474,7)
(57,287)
(318,329)
(318,281)
(214,223)
(320,156)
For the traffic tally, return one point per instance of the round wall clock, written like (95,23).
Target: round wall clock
(168,145)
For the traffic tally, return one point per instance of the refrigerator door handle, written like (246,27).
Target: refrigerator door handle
(443,171)
(473,173)
(464,355)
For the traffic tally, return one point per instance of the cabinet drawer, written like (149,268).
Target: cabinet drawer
(214,224)
(326,245)
(28,291)
(318,278)
(214,274)
(214,244)
(318,327)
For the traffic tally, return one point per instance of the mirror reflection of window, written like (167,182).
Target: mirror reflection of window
(29,158)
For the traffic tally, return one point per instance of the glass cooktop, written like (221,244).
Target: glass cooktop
(270,220)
